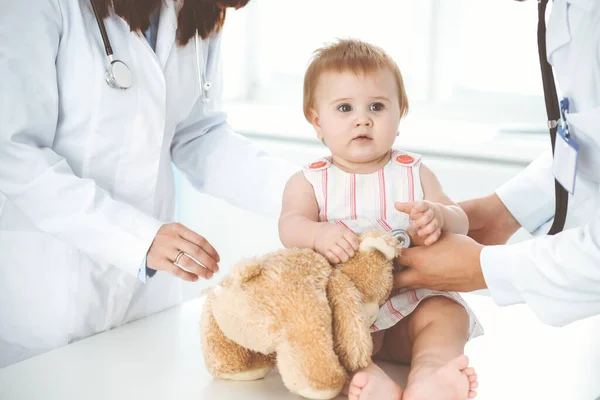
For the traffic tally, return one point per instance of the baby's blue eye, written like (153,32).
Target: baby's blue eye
(345,107)
(376,107)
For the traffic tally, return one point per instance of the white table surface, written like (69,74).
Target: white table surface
(159,357)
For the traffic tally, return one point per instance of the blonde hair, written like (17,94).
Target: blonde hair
(350,55)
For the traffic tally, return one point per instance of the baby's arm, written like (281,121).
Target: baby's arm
(437,212)
(299,224)
(455,219)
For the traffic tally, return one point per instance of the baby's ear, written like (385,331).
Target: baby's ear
(313,116)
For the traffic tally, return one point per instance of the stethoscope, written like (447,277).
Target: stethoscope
(118,74)
(402,237)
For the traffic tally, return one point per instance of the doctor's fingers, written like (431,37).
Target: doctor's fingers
(189,264)
(199,241)
(166,265)
(197,253)
(407,279)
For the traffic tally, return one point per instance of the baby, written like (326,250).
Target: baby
(354,97)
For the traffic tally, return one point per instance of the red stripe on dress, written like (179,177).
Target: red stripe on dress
(414,295)
(411,183)
(324,181)
(384,225)
(353,196)
(344,225)
(393,310)
(382,199)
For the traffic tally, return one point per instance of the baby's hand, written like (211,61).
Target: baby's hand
(426,217)
(335,242)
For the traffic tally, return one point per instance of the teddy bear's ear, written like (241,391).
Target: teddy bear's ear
(368,244)
(246,270)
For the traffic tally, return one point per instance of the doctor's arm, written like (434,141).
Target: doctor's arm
(526,200)
(37,179)
(219,162)
(557,276)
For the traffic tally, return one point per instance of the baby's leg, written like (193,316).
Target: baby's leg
(437,331)
(377,341)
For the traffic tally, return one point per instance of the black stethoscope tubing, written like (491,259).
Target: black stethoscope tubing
(117,75)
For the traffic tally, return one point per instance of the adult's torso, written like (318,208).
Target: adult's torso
(120,140)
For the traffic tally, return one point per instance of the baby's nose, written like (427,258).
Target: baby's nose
(364,122)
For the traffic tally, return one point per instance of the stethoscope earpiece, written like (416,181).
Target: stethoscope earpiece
(204,96)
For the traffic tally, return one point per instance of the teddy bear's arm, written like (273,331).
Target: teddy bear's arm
(351,336)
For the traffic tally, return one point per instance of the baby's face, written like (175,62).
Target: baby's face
(357,116)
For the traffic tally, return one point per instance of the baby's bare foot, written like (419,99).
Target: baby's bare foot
(453,381)
(371,383)
(473,382)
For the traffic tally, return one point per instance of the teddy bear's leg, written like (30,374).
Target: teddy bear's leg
(305,357)
(226,359)
(351,336)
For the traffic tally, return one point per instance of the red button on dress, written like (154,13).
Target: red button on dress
(317,164)
(405,159)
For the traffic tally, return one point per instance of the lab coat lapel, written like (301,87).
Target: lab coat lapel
(588,5)
(557,34)
(167,31)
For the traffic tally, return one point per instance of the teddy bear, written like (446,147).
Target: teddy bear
(294,310)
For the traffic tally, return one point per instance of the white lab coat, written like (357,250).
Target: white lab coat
(559,276)
(86,176)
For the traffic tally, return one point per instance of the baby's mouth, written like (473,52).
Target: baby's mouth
(362,137)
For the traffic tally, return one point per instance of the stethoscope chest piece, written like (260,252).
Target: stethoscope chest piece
(402,237)
(118,75)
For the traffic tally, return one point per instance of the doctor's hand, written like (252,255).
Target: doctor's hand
(450,264)
(183,253)
(490,222)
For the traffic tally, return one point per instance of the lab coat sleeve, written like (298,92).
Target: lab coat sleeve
(219,162)
(529,196)
(32,175)
(557,276)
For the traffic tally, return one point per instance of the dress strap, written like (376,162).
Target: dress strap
(406,158)
(318,165)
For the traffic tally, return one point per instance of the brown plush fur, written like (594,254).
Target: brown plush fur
(293,306)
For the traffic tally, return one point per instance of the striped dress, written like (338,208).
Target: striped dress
(366,201)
